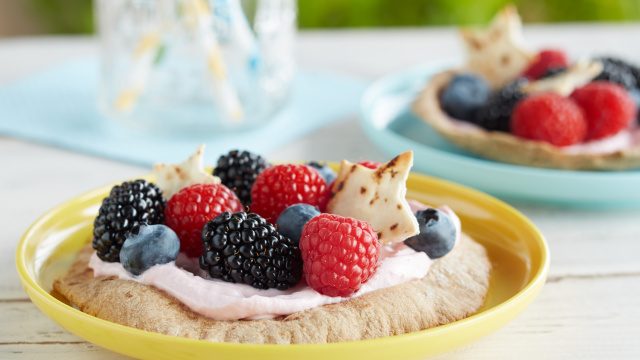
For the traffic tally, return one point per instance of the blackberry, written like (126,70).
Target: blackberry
(244,248)
(619,72)
(238,171)
(551,72)
(495,114)
(128,206)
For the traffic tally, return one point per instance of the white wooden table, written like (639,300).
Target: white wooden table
(589,309)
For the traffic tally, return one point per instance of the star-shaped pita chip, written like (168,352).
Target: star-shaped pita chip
(577,75)
(377,197)
(171,178)
(497,52)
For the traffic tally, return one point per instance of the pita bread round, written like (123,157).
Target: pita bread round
(506,147)
(454,288)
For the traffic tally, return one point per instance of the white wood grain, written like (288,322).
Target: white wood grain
(588,310)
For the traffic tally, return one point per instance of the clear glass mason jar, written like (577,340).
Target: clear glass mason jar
(195,66)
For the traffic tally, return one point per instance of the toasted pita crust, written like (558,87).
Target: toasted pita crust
(377,197)
(508,148)
(454,288)
(497,52)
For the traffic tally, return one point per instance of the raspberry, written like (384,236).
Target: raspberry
(281,186)
(549,117)
(191,208)
(370,164)
(607,107)
(545,60)
(339,254)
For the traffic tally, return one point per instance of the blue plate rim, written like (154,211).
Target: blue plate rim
(381,87)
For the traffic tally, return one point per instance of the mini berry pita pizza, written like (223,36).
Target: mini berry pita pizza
(246,285)
(618,151)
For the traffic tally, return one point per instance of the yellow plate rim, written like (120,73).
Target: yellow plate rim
(524,296)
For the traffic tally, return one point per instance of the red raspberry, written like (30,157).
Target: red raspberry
(549,117)
(608,108)
(192,207)
(370,164)
(545,60)
(339,254)
(281,186)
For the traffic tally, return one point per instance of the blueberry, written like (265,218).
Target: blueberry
(437,233)
(325,171)
(465,94)
(292,220)
(151,245)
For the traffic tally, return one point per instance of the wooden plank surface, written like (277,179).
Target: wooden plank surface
(589,309)
(574,317)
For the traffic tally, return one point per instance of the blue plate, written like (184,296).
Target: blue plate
(389,122)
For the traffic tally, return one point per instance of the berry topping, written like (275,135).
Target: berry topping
(191,208)
(495,115)
(150,245)
(619,72)
(551,72)
(245,248)
(128,206)
(437,235)
(325,171)
(292,220)
(607,107)
(633,69)
(551,118)
(464,95)
(339,254)
(238,171)
(635,95)
(370,164)
(280,186)
(545,60)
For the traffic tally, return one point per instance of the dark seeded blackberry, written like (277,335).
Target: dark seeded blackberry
(238,171)
(619,72)
(495,115)
(244,248)
(551,72)
(128,206)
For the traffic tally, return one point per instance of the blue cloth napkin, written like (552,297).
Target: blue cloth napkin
(58,107)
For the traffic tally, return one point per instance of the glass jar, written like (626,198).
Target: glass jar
(195,66)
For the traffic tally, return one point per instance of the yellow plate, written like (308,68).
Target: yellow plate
(517,250)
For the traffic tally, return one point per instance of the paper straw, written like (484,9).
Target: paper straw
(223,91)
(231,19)
(143,58)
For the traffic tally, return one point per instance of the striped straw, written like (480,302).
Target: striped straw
(143,57)
(223,91)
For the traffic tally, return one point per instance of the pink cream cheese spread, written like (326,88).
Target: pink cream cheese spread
(221,300)
(623,140)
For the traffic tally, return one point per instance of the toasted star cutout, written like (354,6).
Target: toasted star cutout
(377,197)
(579,74)
(497,52)
(171,178)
